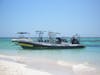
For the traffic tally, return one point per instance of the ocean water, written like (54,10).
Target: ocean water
(89,55)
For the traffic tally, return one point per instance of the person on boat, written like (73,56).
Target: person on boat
(59,40)
(74,40)
(40,39)
(64,40)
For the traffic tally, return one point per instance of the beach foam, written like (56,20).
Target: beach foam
(83,69)
(80,69)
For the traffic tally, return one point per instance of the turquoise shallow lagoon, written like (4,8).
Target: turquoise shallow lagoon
(89,55)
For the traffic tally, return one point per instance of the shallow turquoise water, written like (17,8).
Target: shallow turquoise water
(90,54)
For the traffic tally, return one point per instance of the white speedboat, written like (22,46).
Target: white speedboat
(51,43)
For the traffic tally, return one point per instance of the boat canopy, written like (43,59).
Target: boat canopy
(22,33)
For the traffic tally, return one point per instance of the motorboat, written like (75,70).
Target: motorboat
(52,42)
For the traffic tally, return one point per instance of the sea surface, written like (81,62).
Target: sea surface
(90,54)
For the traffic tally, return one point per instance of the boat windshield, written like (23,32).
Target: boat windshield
(23,34)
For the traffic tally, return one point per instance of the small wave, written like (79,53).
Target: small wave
(80,69)
(83,69)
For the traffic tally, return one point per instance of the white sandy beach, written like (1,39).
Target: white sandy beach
(12,68)
(16,65)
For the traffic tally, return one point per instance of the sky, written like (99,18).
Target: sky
(67,17)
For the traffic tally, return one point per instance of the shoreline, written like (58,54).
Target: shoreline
(17,65)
